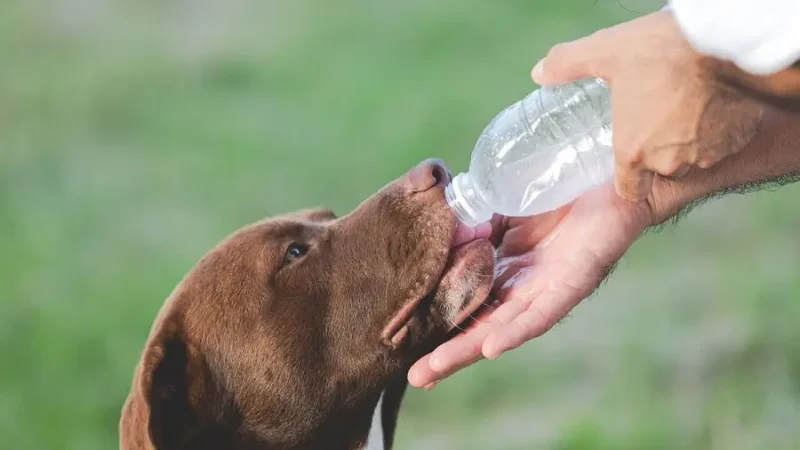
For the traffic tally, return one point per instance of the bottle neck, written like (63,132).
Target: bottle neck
(466,201)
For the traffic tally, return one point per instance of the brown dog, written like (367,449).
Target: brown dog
(293,331)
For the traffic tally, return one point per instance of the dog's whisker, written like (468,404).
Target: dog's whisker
(481,276)
(472,316)
(489,303)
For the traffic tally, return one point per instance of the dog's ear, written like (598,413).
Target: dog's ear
(316,214)
(173,388)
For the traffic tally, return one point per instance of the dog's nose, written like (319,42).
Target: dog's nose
(427,175)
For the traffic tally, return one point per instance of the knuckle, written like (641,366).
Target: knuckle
(706,163)
(709,161)
(557,53)
(632,160)
(691,157)
(635,160)
(671,168)
(535,323)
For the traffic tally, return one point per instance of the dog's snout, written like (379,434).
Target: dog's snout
(427,175)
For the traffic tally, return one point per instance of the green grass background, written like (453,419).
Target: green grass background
(135,135)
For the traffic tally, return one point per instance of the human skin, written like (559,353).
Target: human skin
(687,127)
(551,262)
(670,112)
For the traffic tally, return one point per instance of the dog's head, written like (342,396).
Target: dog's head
(292,323)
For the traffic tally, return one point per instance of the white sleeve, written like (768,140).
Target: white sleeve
(760,36)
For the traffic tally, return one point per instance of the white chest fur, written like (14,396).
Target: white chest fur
(375,436)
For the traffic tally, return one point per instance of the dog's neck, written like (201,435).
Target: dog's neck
(375,433)
(369,425)
(380,435)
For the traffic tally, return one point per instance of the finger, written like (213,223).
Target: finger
(671,169)
(541,315)
(525,233)
(421,374)
(459,352)
(679,172)
(457,355)
(508,274)
(710,160)
(509,310)
(450,357)
(672,173)
(505,315)
(669,163)
(499,227)
(632,183)
(570,61)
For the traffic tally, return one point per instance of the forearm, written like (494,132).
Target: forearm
(772,157)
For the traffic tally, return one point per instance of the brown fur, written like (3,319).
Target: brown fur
(254,350)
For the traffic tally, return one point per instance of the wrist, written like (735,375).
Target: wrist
(771,157)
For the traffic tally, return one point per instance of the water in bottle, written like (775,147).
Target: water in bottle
(538,154)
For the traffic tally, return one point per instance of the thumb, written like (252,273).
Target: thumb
(573,60)
(633,183)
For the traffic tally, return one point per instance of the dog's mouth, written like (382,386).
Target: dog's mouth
(461,287)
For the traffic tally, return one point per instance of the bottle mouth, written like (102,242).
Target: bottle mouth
(463,202)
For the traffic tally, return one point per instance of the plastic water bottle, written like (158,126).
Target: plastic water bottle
(538,154)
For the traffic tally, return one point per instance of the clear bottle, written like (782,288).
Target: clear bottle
(538,154)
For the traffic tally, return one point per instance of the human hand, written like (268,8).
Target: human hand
(556,259)
(670,111)
(546,265)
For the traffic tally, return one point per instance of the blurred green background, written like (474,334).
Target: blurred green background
(135,135)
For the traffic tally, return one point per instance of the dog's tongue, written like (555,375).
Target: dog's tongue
(466,233)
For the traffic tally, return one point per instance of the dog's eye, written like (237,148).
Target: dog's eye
(294,252)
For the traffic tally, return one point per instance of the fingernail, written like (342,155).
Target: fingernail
(625,195)
(538,70)
(436,363)
(490,352)
(430,386)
